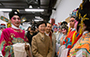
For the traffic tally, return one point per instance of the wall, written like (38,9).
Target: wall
(64,8)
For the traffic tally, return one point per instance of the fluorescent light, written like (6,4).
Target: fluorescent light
(5,9)
(37,20)
(35,10)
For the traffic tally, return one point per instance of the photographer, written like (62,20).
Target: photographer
(30,34)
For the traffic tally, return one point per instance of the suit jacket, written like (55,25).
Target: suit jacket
(53,44)
(41,47)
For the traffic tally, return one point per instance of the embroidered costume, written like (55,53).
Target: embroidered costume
(82,44)
(9,37)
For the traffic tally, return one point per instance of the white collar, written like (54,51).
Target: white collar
(14,27)
(85,32)
(47,34)
(73,29)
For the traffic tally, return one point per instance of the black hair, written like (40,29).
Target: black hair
(28,28)
(41,22)
(49,23)
(32,28)
(87,24)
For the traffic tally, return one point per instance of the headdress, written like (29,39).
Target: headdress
(74,13)
(2,26)
(64,25)
(14,12)
(83,14)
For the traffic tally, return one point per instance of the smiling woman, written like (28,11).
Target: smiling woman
(41,26)
(41,44)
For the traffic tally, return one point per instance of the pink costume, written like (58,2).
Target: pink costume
(9,37)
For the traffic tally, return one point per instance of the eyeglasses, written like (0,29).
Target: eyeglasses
(15,18)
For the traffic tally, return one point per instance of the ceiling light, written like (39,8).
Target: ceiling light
(5,9)
(35,10)
(37,20)
(30,6)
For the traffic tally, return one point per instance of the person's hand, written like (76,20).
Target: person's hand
(26,47)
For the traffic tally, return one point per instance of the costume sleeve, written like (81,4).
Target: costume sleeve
(27,34)
(26,37)
(61,40)
(82,47)
(64,42)
(34,48)
(50,49)
(6,45)
(80,51)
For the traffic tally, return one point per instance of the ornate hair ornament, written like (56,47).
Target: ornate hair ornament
(82,19)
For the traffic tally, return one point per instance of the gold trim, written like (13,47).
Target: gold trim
(4,19)
(81,24)
(23,19)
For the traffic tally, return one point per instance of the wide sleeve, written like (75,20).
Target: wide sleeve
(26,37)
(81,51)
(34,48)
(82,47)
(50,49)
(6,45)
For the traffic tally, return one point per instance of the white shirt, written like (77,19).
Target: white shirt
(47,34)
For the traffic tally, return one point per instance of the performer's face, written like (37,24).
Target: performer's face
(72,22)
(60,30)
(16,21)
(55,29)
(41,28)
(64,31)
(48,28)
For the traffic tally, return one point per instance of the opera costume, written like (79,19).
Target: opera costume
(58,37)
(72,35)
(64,29)
(2,27)
(82,46)
(55,29)
(11,40)
(70,38)
(9,37)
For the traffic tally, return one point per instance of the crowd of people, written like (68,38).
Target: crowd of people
(48,40)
